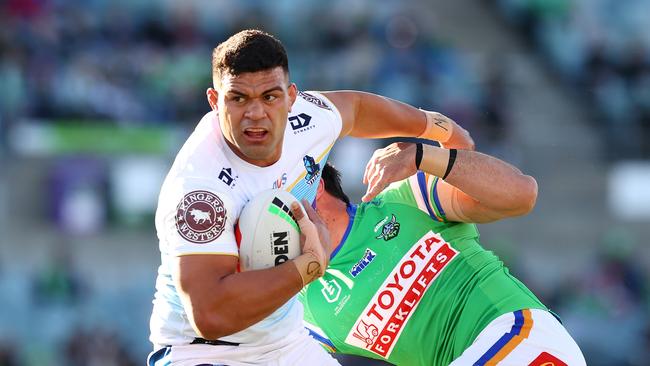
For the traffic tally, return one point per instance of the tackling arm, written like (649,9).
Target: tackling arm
(479,187)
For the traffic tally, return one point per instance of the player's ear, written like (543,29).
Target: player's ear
(320,190)
(293,93)
(213,97)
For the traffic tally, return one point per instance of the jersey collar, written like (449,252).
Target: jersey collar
(352,211)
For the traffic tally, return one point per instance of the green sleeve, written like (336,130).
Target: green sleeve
(419,190)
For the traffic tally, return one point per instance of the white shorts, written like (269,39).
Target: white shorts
(298,348)
(530,337)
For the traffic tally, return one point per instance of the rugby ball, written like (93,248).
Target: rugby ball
(269,232)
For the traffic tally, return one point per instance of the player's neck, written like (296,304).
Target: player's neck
(335,216)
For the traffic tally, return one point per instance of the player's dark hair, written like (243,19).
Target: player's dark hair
(332,180)
(250,50)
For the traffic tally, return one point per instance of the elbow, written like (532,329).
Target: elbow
(209,326)
(526,196)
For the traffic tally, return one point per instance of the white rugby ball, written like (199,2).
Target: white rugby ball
(269,232)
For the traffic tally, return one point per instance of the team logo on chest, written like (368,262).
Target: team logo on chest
(389,229)
(200,217)
(313,169)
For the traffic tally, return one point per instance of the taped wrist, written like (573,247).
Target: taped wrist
(434,160)
(439,128)
(309,267)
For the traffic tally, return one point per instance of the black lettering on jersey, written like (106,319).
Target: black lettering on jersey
(226,177)
(314,100)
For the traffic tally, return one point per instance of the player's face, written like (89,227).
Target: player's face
(253,108)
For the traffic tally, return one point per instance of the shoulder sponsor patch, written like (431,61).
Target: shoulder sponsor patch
(314,100)
(200,217)
(381,323)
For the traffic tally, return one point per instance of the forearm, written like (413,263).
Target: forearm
(378,117)
(498,188)
(220,306)
(249,297)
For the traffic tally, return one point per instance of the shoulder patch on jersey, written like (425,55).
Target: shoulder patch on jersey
(314,100)
(312,168)
(200,217)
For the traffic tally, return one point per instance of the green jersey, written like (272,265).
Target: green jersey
(406,286)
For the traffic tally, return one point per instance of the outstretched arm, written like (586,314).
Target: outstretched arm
(477,188)
(369,115)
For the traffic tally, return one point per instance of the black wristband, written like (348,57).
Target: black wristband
(450,163)
(418,155)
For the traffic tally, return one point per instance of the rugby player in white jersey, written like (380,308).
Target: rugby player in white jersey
(262,133)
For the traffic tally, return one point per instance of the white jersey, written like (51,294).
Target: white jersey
(203,195)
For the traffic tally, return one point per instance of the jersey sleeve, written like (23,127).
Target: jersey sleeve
(323,102)
(419,190)
(197,218)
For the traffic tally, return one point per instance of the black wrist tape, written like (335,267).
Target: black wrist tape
(418,155)
(450,163)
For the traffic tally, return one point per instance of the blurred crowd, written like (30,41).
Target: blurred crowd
(128,64)
(602,49)
(146,63)
(607,307)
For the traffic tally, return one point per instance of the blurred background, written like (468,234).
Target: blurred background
(97,96)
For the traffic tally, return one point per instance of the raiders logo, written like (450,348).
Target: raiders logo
(200,217)
(390,229)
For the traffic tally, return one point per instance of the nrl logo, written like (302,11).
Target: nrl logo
(389,230)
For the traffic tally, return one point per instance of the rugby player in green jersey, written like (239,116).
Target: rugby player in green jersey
(408,281)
